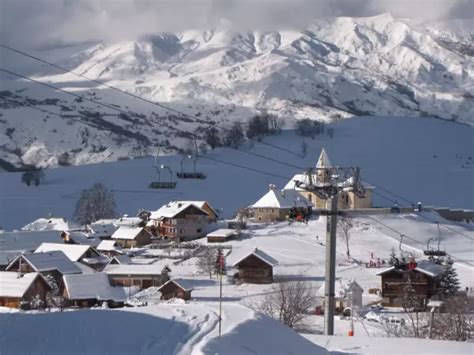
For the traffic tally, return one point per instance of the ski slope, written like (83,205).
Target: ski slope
(419,159)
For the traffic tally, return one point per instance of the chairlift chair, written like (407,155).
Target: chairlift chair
(188,174)
(162,184)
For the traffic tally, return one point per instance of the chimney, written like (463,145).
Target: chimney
(179,204)
(282,193)
(271,187)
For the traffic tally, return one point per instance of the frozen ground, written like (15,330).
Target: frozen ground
(419,159)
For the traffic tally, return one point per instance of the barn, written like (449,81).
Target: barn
(255,267)
(176,288)
(142,276)
(423,277)
(17,291)
(129,237)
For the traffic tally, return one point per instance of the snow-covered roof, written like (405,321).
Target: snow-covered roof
(92,286)
(83,238)
(103,228)
(13,286)
(52,260)
(429,268)
(282,199)
(46,224)
(425,266)
(135,269)
(127,232)
(201,205)
(303,178)
(73,251)
(171,209)
(323,161)
(109,245)
(259,254)
(186,285)
(224,232)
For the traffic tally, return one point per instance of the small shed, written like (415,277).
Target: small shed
(255,267)
(176,288)
(221,235)
(129,237)
(17,291)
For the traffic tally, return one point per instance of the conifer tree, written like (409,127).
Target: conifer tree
(393,257)
(449,281)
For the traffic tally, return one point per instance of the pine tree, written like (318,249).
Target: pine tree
(393,257)
(449,282)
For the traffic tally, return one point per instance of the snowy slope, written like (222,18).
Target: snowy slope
(333,69)
(164,329)
(395,153)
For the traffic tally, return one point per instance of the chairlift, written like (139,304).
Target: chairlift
(188,174)
(162,184)
(432,252)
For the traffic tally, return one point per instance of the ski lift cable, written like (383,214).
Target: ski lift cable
(125,112)
(170,109)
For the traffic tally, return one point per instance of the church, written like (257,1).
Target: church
(348,199)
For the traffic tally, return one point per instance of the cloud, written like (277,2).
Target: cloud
(34,23)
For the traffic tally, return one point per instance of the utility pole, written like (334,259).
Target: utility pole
(330,277)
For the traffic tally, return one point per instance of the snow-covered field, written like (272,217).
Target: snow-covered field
(419,159)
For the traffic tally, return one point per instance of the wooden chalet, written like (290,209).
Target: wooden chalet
(176,288)
(130,237)
(423,277)
(255,268)
(212,214)
(142,276)
(180,221)
(88,290)
(17,291)
(52,263)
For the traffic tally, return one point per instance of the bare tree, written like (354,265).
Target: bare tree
(411,306)
(211,136)
(206,262)
(345,224)
(289,302)
(455,323)
(95,203)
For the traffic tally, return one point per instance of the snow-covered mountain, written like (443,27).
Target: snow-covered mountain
(333,69)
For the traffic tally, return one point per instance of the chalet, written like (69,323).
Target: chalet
(110,248)
(255,268)
(85,254)
(221,235)
(348,198)
(88,290)
(52,263)
(176,288)
(130,237)
(279,205)
(120,260)
(142,276)
(102,229)
(346,294)
(423,277)
(180,221)
(18,291)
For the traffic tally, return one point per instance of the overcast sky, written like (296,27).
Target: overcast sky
(33,23)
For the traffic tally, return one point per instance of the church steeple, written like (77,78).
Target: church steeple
(323,167)
(323,161)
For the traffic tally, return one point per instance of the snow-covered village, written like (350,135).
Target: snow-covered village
(247,184)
